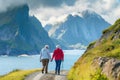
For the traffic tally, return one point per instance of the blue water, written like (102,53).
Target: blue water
(8,64)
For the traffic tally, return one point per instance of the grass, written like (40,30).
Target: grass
(18,74)
(98,76)
(114,27)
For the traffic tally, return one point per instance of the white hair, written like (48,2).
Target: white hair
(57,46)
(46,46)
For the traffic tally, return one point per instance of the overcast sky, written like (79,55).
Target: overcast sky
(51,11)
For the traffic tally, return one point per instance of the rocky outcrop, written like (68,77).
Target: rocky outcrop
(109,66)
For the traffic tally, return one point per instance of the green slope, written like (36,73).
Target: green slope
(107,46)
(18,74)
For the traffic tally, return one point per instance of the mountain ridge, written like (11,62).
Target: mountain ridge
(78,29)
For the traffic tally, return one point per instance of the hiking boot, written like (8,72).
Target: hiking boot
(58,73)
(55,72)
(42,71)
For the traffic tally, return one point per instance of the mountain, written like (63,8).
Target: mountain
(78,30)
(101,60)
(21,33)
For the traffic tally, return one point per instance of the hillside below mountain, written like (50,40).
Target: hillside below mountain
(78,31)
(101,60)
(21,33)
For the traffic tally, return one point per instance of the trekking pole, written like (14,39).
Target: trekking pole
(62,66)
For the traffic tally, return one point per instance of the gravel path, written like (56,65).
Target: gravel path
(49,76)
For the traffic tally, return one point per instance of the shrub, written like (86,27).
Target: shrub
(98,76)
(91,45)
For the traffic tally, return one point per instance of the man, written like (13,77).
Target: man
(44,58)
(58,55)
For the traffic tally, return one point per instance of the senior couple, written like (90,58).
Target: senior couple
(45,57)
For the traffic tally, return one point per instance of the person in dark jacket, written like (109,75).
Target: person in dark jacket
(58,56)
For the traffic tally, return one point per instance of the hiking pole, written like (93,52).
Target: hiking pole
(62,66)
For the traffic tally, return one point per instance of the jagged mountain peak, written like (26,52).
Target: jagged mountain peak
(89,13)
(78,28)
(21,33)
(86,14)
(73,16)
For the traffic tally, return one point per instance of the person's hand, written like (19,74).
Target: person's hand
(51,60)
(40,60)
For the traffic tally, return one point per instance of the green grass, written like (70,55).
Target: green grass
(18,74)
(115,27)
(98,76)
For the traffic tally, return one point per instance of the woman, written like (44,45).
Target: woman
(58,55)
(44,58)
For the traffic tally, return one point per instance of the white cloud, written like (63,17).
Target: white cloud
(53,15)
(108,9)
(5,4)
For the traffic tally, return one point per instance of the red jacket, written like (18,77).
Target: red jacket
(58,54)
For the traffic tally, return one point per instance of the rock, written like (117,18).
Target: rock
(109,66)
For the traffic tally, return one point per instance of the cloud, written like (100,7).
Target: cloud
(49,3)
(50,15)
(108,9)
(5,4)
(34,4)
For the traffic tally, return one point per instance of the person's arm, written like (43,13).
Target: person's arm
(62,55)
(53,55)
(49,55)
(40,55)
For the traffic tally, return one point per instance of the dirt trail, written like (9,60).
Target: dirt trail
(49,76)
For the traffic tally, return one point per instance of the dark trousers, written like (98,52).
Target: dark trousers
(45,65)
(57,68)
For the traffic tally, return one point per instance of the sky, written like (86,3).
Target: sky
(52,11)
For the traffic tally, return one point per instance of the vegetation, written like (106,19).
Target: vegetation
(114,27)
(98,76)
(109,46)
(17,74)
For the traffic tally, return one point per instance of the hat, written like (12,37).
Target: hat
(46,46)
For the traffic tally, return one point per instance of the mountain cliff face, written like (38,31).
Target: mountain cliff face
(101,61)
(21,33)
(78,29)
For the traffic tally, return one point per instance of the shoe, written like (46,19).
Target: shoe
(42,71)
(55,72)
(58,73)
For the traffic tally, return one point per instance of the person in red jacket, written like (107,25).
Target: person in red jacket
(58,55)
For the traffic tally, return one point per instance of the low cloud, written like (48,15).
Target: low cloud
(5,4)
(34,4)
(49,3)
(108,9)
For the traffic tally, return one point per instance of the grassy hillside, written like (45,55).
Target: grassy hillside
(17,74)
(107,46)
